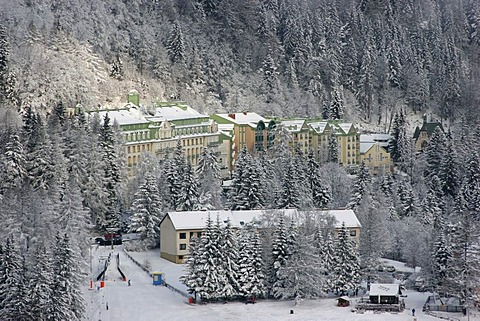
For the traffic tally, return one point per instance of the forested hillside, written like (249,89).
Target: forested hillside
(362,58)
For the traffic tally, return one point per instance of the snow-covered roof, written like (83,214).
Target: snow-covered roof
(319,127)
(364,147)
(375,138)
(226,127)
(293,125)
(191,220)
(345,127)
(244,118)
(176,113)
(125,116)
(347,216)
(384,289)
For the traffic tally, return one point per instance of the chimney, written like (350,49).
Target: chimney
(232,116)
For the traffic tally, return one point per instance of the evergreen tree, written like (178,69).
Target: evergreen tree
(67,301)
(435,153)
(290,197)
(328,252)
(360,187)
(347,267)
(193,277)
(251,278)
(397,131)
(336,104)
(40,287)
(188,198)
(442,257)
(14,162)
(228,260)
(4,53)
(116,71)
(333,156)
(208,173)
(147,212)
(176,43)
(12,287)
(280,255)
(270,77)
(111,172)
(321,192)
(174,172)
(449,168)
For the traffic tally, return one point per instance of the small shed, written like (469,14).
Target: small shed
(158,278)
(385,293)
(343,301)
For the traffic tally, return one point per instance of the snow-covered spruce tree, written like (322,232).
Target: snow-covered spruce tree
(14,162)
(111,172)
(270,73)
(449,170)
(67,301)
(251,278)
(336,104)
(268,186)
(407,203)
(174,172)
(209,274)
(228,259)
(433,205)
(13,305)
(333,156)
(280,255)
(40,288)
(442,261)
(209,181)
(4,53)
(175,43)
(289,195)
(116,70)
(398,130)
(360,187)
(321,193)
(147,212)
(245,192)
(193,268)
(435,153)
(327,250)
(188,198)
(347,267)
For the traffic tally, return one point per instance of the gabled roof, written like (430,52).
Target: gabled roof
(191,220)
(384,289)
(294,125)
(427,127)
(319,127)
(365,147)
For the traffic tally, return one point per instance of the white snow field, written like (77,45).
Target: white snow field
(143,301)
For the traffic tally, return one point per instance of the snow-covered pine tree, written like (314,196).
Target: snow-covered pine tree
(188,198)
(111,172)
(147,212)
(449,170)
(347,266)
(208,173)
(14,162)
(321,193)
(245,192)
(433,204)
(40,288)
(435,153)
(280,254)
(192,277)
(333,156)
(67,300)
(290,197)
(442,261)
(251,278)
(336,104)
(175,43)
(173,172)
(209,275)
(4,53)
(12,284)
(360,187)
(228,259)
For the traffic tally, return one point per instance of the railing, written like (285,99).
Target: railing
(174,289)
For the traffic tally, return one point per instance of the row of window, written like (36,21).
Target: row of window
(136,136)
(138,148)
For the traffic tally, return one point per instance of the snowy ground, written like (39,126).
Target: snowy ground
(144,302)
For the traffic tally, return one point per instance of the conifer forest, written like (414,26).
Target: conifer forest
(381,64)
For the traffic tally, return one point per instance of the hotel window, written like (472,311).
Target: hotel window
(183,236)
(191,235)
(128,149)
(353,233)
(182,247)
(199,234)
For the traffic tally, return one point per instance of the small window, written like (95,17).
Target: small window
(199,234)
(191,234)
(353,233)
(180,257)
(183,236)
(183,246)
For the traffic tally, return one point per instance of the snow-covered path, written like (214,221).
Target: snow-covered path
(143,301)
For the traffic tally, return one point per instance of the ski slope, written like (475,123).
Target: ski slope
(143,301)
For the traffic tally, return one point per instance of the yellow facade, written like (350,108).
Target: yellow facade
(377,159)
